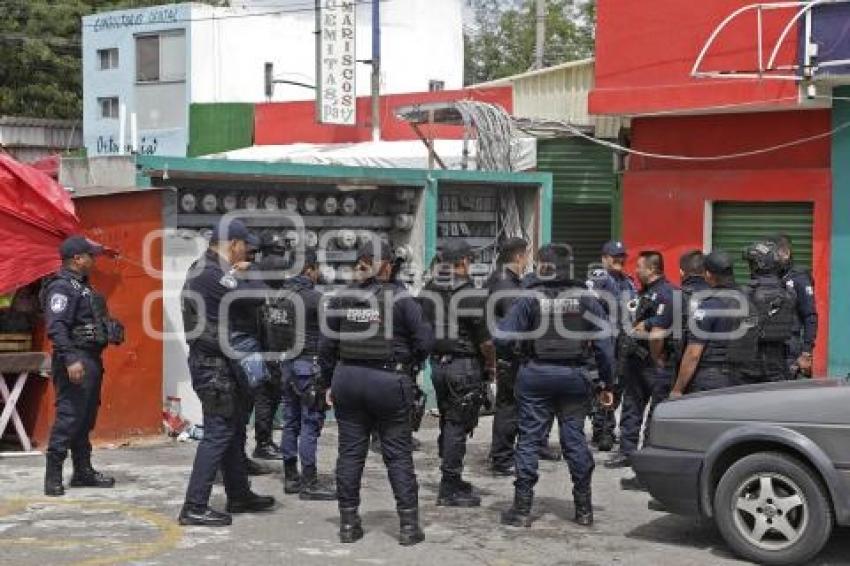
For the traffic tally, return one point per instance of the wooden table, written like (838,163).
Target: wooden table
(20,365)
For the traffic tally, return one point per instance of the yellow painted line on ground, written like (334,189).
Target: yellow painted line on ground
(170,532)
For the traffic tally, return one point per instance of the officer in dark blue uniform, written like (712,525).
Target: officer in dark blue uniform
(570,327)
(694,283)
(648,351)
(805,330)
(457,313)
(291,320)
(210,280)
(79,326)
(704,365)
(615,289)
(506,281)
(375,333)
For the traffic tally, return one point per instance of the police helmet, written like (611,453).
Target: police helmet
(762,258)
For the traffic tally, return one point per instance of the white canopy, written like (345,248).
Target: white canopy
(386,154)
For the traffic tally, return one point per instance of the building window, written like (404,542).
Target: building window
(108,58)
(434,86)
(161,57)
(108,107)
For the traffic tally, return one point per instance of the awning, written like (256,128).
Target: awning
(36,214)
(385,154)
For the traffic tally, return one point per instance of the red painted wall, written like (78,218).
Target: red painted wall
(131,403)
(282,123)
(645,52)
(665,202)
(726,134)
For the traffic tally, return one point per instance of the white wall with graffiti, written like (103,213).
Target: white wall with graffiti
(142,68)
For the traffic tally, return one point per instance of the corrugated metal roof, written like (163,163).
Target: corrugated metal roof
(559,93)
(37,122)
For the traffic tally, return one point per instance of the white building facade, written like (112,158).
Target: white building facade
(143,68)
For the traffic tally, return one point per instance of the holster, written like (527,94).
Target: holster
(466,394)
(114,332)
(506,372)
(218,395)
(417,409)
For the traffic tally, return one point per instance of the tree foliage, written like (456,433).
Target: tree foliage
(502,40)
(40,54)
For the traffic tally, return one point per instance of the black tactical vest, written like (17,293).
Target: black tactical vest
(365,328)
(452,333)
(278,322)
(559,313)
(770,321)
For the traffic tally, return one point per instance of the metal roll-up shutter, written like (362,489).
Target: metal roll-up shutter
(736,225)
(586,228)
(583,190)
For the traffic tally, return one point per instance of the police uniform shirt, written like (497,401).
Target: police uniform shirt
(801,283)
(660,294)
(413,339)
(311,300)
(524,316)
(503,279)
(67,304)
(615,284)
(711,323)
(212,278)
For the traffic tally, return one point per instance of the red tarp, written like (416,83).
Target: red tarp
(36,214)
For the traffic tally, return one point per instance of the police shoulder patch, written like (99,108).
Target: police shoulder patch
(660,310)
(58,302)
(790,284)
(810,290)
(228,282)
(699,315)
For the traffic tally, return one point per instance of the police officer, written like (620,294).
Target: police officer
(569,327)
(615,288)
(506,281)
(375,332)
(80,328)
(693,276)
(262,380)
(805,330)
(649,361)
(759,355)
(209,281)
(705,365)
(456,311)
(294,331)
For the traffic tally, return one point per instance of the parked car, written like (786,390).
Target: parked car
(768,463)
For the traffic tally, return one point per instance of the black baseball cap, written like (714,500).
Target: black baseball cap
(455,250)
(614,248)
(719,263)
(234,230)
(78,245)
(372,246)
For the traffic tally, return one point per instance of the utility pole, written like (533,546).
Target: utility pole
(541,34)
(376,70)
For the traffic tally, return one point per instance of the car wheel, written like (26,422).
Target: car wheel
(772,509)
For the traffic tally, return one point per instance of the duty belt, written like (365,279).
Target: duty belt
(578,362)
(397,367)
(211,362)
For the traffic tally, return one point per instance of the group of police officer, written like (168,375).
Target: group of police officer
(559,348)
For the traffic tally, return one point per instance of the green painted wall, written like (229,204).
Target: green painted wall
(839,305)
(214,128)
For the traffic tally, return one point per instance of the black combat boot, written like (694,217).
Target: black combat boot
(584,508)
(409,531)
(312,490)
(53,475)
(519,515)
(291,478)
(250,503)
(455,492)
(606,441)
(86,476)
(350,528)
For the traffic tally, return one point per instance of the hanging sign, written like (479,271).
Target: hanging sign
(336,98)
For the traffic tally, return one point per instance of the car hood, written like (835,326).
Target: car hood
(821,401)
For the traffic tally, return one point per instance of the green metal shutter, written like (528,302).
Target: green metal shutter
(736,225)
(586,228)
(584,185)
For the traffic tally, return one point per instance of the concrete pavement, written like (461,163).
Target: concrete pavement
(135,523)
